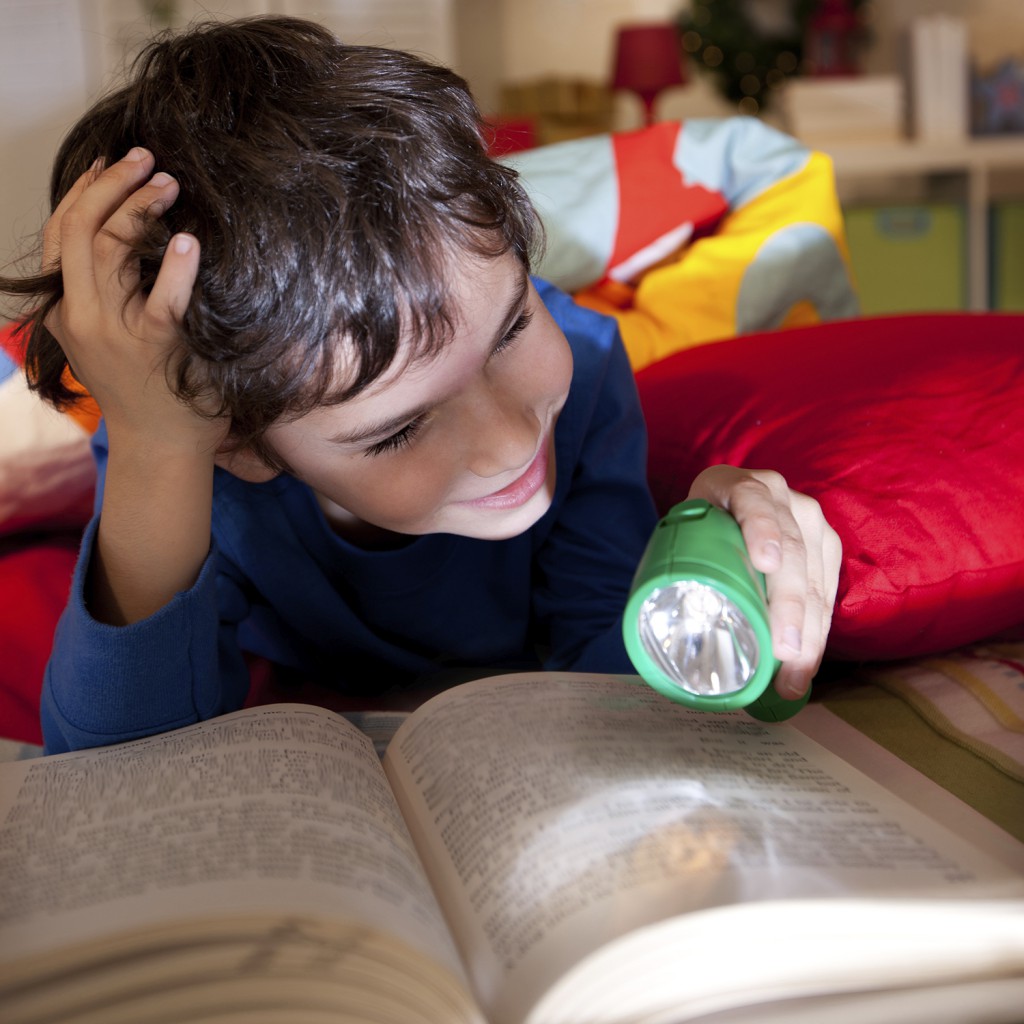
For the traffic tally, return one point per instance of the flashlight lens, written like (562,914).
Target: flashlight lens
(698,638)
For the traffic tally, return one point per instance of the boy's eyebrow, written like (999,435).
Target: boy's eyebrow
(385,428)
(379,431)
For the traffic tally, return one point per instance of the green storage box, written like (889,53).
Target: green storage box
(908,259)
(1006,273)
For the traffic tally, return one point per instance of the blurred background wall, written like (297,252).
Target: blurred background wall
(56,55)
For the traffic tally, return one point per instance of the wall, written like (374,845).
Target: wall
(996,28)
(569,37)
(42,88)
(577,40)
(56,54)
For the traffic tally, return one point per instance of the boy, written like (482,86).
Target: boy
(302,303)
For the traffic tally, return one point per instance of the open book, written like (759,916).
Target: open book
(547,848)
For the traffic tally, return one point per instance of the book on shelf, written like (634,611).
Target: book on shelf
(553,848)
(939,78)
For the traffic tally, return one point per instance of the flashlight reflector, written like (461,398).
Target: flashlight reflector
(700,640)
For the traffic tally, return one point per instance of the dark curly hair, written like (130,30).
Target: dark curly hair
(327,184)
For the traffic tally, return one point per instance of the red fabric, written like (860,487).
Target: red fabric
(908,430)
(645,168)
(85,411)
(12,341)
(35,576)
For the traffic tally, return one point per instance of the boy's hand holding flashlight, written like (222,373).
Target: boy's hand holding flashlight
(736,646)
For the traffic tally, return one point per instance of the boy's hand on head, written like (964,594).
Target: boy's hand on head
(123,346)
(120,348)
(790,542)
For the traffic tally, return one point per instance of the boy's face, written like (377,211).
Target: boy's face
(460,442)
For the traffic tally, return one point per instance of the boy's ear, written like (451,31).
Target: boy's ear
(247,466)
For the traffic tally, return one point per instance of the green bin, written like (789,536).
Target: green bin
(908,258)
(1006,273)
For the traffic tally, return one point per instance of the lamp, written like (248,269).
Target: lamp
(648,59)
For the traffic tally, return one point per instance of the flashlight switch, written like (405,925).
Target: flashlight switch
(698,508)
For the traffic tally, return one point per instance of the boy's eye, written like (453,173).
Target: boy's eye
(520,325)
(404,437)
(398,440)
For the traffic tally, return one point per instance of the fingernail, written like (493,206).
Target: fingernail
(182,243)
(791,638)
(160,179)
(138,154)
(792,689)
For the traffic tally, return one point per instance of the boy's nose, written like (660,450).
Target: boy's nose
(505,438)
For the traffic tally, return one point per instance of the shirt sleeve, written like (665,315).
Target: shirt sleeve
(602,524)
(105,684)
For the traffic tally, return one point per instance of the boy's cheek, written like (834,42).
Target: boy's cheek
(552,363)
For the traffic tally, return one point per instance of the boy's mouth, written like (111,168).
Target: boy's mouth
(522,489)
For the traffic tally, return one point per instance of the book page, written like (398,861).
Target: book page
(274,810)
(859,750)
(564,811)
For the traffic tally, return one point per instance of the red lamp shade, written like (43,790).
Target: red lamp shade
(648,59)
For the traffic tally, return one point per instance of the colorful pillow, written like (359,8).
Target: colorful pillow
(47,476)
(908,430)
(690,232)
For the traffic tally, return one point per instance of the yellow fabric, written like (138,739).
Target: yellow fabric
(693,298)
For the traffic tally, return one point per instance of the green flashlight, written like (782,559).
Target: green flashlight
(696,623)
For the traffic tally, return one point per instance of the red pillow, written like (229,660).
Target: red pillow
(908,430)
(35,576)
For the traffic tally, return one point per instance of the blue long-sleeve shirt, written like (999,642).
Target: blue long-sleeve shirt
(278,582)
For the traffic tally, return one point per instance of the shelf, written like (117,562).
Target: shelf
(973,159)
(911,157)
